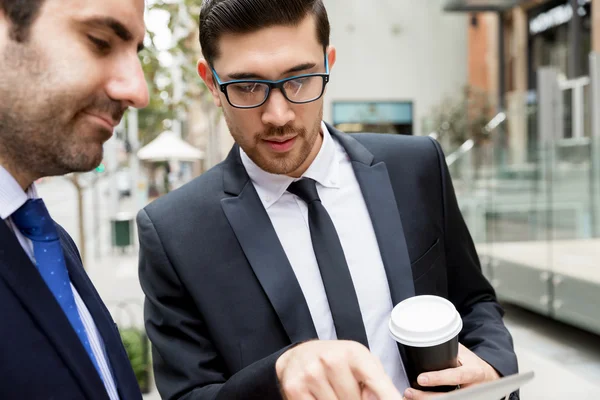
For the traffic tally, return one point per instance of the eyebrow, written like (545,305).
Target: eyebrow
(117,27)
(251,75)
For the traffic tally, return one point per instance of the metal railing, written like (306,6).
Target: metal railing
(468,145)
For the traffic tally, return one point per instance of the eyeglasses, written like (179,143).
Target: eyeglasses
(254,93)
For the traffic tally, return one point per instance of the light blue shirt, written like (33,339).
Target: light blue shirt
(12,197)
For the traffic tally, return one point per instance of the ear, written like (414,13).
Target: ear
(331,56)
(206,73)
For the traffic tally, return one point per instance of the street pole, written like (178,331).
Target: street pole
(595,136)
(96,205)
(177,76)
(134,162)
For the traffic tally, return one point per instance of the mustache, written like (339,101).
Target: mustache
(281,131)
(107,106)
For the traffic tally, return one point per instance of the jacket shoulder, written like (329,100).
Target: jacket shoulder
(392,148)
(204,189)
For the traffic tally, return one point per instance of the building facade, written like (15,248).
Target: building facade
(508,44)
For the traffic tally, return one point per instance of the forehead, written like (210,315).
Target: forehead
(129,12)
(270,46)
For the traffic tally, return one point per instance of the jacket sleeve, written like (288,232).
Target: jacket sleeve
(484,331)
(186,363)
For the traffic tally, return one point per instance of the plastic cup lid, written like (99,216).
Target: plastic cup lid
(424,321)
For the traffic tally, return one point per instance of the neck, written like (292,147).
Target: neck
(311,157)
(23,178)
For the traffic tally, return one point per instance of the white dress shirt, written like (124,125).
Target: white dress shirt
(12,197)
(341,195)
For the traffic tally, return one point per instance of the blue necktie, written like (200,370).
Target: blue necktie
(34,222)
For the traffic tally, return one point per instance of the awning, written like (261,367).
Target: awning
(480,5)
(169,147)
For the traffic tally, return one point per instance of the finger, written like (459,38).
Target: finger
(414,394)
(297,387)
(376,380)
(343,382)
(367,369)
(298,396)
(318,384)
(323,392)
(464,375)
(367,394)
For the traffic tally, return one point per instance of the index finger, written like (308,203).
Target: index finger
(368,370)
(451,377)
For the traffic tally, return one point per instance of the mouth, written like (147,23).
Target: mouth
(106,122)
(281,145)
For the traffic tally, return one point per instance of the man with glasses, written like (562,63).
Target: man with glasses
(273,275)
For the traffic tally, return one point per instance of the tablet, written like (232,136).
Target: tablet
(494,390)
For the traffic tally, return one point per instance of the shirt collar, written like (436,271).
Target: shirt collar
(324,170)
(12,196)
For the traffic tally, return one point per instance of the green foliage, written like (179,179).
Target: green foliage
(138,350)
(164,107)
(457,119)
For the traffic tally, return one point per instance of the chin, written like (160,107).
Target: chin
(83,161)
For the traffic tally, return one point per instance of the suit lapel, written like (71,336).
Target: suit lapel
(255,233)
(247,216)
(381,203)
(109,334)
(27,284)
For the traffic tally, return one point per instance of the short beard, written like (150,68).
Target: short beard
(23,147)
(38,122)
(282,164)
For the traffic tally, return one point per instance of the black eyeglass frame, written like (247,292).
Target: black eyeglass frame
(274,85)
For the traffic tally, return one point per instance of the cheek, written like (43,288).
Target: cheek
(307,114)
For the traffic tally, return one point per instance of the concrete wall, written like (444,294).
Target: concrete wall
(403,50)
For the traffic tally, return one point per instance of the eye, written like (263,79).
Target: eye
(102,45)
(249,87)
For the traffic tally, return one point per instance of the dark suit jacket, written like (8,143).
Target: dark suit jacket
(42,357)
(222,301)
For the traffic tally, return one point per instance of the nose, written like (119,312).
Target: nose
(277,110)
(128,84)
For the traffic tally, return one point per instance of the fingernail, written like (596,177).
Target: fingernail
(423,380)
(408,394)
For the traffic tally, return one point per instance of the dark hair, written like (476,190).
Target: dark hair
(218,17)
(21,14)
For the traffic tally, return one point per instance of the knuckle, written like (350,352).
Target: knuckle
(293,387)
(480,374)
(313,373)
(332,360)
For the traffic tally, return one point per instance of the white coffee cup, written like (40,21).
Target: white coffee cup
(428,327)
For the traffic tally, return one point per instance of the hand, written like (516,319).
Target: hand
(333,370)
(471,371)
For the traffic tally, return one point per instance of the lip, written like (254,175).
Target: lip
(281,145)
(280,140)
(109,123)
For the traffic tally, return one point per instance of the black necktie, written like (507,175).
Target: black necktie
(332,264)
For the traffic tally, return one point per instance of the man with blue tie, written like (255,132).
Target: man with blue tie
(69,71)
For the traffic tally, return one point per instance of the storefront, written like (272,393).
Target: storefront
(560,35)
(374,116)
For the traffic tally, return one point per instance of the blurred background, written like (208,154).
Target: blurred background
(510,88)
